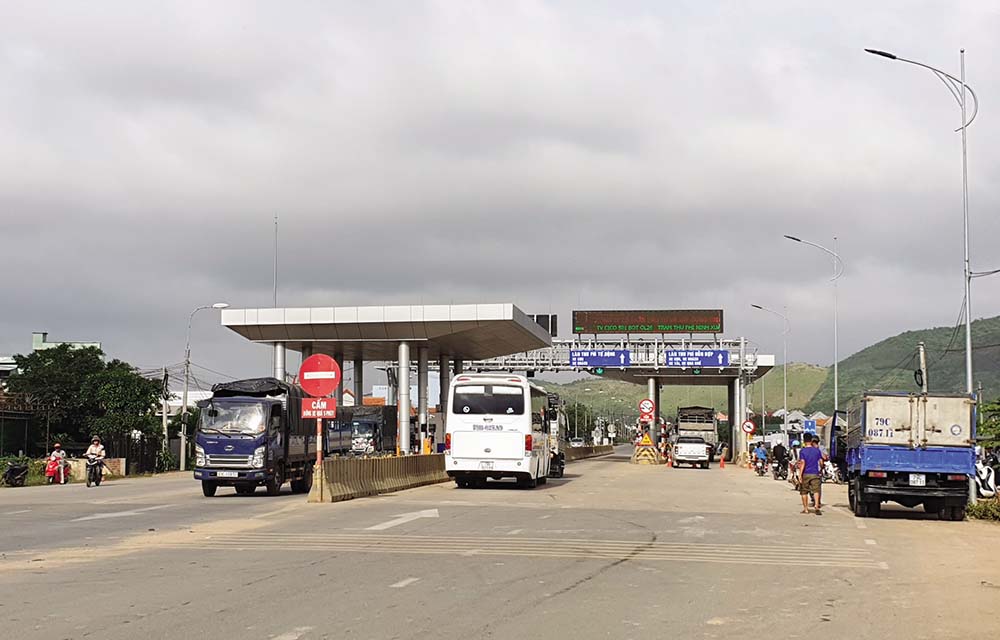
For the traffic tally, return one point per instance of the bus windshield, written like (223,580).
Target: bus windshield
(490,399)
(245,418)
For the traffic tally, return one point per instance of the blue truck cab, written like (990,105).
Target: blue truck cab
(914,449)
(251,433)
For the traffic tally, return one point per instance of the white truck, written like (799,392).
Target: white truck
(699,422)
(691,450)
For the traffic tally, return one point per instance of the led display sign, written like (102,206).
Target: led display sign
(663,321)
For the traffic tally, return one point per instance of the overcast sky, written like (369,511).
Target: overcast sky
(557,155)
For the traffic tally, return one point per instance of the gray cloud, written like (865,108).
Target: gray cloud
(550,153)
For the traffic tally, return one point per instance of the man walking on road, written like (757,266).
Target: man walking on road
(809,460)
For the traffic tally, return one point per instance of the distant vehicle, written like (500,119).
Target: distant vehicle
(912,449)
(251,433)
(372,430)
(698,422)
(576,442)
(496,429)
(691,450)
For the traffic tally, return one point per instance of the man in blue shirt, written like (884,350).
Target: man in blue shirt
(810,459)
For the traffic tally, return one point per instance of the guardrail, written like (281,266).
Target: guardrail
(347,478)
(579,453)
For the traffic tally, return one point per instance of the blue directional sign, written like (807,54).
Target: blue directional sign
(809,426)
(697,358)
(600,358)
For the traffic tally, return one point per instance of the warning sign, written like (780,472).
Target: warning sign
(646,441)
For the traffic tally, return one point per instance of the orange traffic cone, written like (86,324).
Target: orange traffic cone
(722,462)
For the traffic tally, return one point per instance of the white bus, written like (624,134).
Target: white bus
(496,429)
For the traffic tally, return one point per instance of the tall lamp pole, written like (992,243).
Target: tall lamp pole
(187,377)
(838,270)
(784,365)
(957,87)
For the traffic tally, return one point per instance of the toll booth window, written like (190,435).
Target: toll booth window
(491,399)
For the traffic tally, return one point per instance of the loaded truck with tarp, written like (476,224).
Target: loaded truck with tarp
(914,449)
(372,429)
(251,433)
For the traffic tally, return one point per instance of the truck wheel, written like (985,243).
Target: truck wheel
(704,465)
(274,483)
(851,498)
(527,482)
(208,488)
(543,479)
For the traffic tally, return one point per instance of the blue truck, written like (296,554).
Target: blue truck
(910,448)
(251,433)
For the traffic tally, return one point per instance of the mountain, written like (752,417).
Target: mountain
(889,365)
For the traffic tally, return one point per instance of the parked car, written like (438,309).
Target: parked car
(576,442)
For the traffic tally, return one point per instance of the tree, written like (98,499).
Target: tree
(126,404)
(53,381)
(990,427)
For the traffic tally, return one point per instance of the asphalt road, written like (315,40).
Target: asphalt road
(611,551)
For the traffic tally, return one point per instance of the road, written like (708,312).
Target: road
(612,551)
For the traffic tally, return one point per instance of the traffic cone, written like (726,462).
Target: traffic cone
(722,462)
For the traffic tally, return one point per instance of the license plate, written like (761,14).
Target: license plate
(486,466)
(227,474)
(918,480)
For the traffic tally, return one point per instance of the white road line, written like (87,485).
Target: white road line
(514,532)
(870,541)
(403,583)
(403,518)
(14,513)
(294,634)
(120,514)
(861,524)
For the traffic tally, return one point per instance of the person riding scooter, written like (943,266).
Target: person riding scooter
(96,449)
(55,468)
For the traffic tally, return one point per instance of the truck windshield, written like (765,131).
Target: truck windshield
(363,429)
(490,399)
(233,418)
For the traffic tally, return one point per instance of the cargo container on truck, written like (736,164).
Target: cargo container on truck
(914,449)
(698,422)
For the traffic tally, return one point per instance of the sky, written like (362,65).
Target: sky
(557,155)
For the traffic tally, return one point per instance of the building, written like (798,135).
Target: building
(40,342)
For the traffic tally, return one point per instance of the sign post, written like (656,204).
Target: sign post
(319,376)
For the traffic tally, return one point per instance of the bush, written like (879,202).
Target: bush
(985,510)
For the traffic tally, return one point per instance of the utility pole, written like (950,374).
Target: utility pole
(164,407)
(923,367)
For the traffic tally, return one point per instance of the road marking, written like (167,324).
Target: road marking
(120,514)
(294,634)
(861,524)
(403,518)
(403,583)
(870,541)
(514,532)
(14,513)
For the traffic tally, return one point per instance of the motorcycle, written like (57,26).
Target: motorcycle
(759,467)
(95,470)
(55,470)
(831,473)
(14,475)
(779,468)
(986,482)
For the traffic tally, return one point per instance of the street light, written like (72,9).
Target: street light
(957,88)
(784,366)
(187,377)
(838,270)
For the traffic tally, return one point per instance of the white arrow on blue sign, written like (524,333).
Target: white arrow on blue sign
(600,358)
(685,358)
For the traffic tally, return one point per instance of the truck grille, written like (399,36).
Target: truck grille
(226,460)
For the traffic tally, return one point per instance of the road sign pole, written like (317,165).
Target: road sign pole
(319,442)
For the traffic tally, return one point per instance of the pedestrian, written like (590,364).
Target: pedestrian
(810,459)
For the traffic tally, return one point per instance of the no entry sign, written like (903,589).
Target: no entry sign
(319,408)
(319,375)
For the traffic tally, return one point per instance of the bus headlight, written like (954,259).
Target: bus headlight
(199,456)
(258,457)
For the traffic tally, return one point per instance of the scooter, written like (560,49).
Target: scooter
(14,475)
(831,473)
(986,481)
(95,470)
(779,468)
(759,468)
(55,470)
(557,464)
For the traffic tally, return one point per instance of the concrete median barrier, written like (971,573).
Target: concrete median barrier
(348,478)
(580,453)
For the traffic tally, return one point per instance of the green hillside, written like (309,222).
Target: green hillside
(889,364)
(613,396)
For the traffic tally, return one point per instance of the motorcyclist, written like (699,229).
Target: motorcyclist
(760,454)
(57,452)
(779,454)
(96,448)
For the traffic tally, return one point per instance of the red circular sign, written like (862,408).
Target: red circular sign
(319,375)
(646,406)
